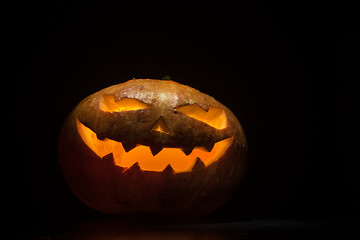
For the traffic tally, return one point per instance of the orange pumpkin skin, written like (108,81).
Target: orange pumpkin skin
(111,188)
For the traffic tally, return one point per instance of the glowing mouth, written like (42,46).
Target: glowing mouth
(143,155)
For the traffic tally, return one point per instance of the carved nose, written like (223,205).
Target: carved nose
(160,126)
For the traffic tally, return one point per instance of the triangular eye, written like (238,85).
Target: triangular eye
(215,117)
(107,104)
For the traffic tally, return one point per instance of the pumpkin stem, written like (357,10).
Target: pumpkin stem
(167,77)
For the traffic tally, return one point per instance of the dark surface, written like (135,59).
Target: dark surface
(286,69)
(255,229)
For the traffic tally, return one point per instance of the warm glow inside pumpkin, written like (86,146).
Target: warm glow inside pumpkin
(151,146)
(141,154)
(178,160)
(215,117)
(107,104)
(160,126)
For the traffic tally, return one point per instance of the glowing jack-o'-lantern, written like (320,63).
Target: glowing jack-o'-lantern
(152,146)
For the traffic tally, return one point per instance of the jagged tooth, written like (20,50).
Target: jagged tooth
(187,150)
(168,170)
(134,168)
(128,146)
(155,150)
(209,146)
(107,157)
(100,137)
(199,165)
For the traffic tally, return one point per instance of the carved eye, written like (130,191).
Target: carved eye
(215,117)
(107,104)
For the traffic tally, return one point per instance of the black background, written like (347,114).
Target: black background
(286,69)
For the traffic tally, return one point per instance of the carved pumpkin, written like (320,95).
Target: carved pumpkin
(152,146)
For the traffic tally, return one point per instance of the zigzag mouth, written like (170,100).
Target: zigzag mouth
(150,159)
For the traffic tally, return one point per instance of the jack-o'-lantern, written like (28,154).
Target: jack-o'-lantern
(152,146)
